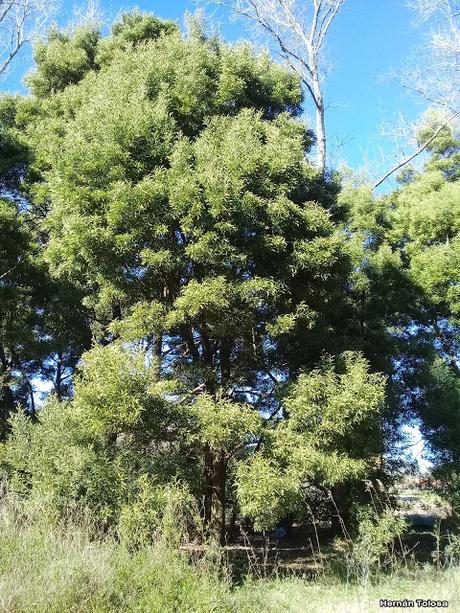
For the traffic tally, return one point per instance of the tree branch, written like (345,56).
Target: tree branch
(420,150)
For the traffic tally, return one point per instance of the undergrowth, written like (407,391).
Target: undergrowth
(62,566)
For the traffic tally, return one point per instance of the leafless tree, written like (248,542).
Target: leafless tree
(298,28)
(436,130)
(20,21)
(433,73)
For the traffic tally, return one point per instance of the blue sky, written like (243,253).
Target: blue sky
(368,40)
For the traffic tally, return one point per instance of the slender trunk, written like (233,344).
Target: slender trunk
(7,404)
(157,349)
(187,335)
(225,365)
(58,377)
(116,311)
(321,142)
(32,399)
(320,126)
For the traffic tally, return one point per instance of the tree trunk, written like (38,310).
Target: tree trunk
(32,399)
(219,477)
(58,377)
(7,404)
(208,472)
(214,498)
(320,125)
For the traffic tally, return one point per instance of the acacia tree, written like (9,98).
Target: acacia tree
(178,199)
(298,29)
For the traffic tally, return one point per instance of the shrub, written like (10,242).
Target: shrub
(168,512)
(372,547)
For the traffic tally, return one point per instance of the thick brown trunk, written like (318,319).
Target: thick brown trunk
(208,471)
(219,477)
(214,496)
(7,407)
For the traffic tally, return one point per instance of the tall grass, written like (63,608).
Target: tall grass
(59,567)
(62,567)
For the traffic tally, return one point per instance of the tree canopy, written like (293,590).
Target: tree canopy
(211,310)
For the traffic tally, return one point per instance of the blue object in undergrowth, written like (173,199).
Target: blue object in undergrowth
(280,532)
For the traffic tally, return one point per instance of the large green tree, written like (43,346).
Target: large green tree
(425,228)
(405,287)
(179,200)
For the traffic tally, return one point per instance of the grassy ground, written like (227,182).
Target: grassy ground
(50,569)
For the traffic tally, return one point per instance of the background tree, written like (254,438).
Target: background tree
(432,74)
(20,22)
(424,228)
(43,330)
(298,29)
(405,287)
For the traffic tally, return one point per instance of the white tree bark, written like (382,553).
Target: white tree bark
(298,28)
(20,22)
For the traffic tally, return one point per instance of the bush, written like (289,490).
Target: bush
(109,453)
(168,512)
(55,568)
(64,567)
(372,547)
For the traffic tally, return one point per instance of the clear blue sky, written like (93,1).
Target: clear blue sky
(369,38)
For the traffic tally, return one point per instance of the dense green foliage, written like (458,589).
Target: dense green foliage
(222,326)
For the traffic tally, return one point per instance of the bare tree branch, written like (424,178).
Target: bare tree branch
(416,153)
(434,71)
(20,22)
(12,269)
(299,29)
